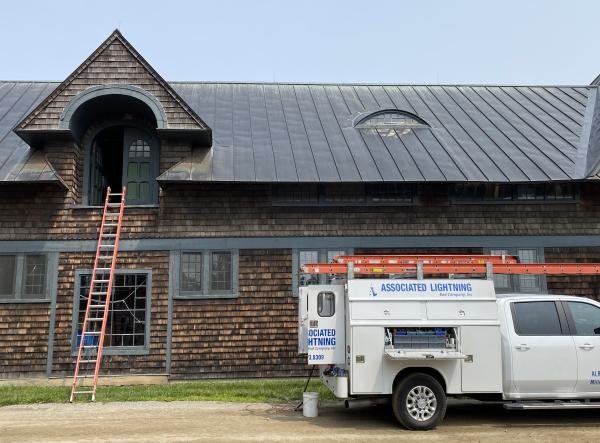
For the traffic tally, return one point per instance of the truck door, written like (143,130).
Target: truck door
(543,353)
(326,336)
(584,322)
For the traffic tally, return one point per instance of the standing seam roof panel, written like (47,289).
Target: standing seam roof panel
(553,160)
(243,154)
(562,118)
(522,155)
(264,161)
(223,135)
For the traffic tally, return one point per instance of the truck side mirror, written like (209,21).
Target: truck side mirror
(597,330)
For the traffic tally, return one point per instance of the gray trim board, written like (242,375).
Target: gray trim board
(581,161)
(173,282)
(441,241)
(52,289)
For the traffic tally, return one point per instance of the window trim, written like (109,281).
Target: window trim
(19,278)
(206,292)
(118,350)
(322,253)
(562,321)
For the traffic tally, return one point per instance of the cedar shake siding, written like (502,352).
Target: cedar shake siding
(237,186)
(23,339)
(235,210)
(253,335)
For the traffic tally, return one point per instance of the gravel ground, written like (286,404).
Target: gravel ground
(214,421)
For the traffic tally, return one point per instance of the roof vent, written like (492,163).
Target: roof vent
(389,119)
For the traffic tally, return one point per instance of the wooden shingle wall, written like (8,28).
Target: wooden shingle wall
(23,338)
(154,362)
(582,285)
(245,210)
(114,65)
(254,335)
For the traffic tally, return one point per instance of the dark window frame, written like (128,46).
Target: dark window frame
(320,298)
(319,194)
(206,292)
(112,350)
(515,280)
(514,200)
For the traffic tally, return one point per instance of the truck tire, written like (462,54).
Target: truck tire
(419,402)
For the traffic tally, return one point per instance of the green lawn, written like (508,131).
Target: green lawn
(271,391)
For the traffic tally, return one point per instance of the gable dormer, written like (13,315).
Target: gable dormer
(119,111)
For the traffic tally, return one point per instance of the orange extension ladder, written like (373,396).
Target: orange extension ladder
(91,340)
(444,264)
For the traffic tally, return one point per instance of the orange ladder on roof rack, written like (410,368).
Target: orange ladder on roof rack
(91,339)
(445,264)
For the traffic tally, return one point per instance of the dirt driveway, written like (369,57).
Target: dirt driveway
(211,421)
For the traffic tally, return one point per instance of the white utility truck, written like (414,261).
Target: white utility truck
(420,341)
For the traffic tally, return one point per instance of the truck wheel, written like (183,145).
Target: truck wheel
(419,402)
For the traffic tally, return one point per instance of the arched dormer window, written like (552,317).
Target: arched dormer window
(389,119)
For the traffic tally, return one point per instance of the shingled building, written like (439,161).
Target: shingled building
(231,186)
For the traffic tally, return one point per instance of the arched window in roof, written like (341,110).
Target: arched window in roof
(389,119)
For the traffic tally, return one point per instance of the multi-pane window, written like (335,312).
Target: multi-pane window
(208,273)
(520,283)
(139,149)
(23,277)
(128,312)
(34,276)
(191,271)
(220,271)
(347,194)
(305,256)
(390,119)
(497,192)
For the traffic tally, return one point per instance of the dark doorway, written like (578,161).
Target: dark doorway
(123,156)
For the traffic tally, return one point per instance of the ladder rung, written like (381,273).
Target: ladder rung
(92,333)
(84,376)
(98,269)
(105,257)
(93,360)
(83,392)
(114,205)
(107,246)
(96,319)
(114,194)
(110,224)
(101,281)
(99,293)
(109,235)
(97,306)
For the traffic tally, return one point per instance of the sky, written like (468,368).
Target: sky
(368,41)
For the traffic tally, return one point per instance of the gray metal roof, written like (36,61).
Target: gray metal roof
(305,133)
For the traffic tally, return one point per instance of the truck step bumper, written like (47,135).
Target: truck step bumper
(552,405)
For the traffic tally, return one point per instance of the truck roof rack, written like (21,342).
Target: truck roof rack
(444,264)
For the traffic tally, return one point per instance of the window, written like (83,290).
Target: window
(191,272)
(531,284)
(390,119)
(220,271)
(348,194)
(128,317)
(303,256)
(24,277)
(208,273)
(7,276)
(497,192)
(585,318)
(536,318)
(326,304)
(34,276)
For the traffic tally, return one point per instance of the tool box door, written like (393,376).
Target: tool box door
(326,325)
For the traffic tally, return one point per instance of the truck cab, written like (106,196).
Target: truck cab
(550,347)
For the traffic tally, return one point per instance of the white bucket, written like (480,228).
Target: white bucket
(310,404)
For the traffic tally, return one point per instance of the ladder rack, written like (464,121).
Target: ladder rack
(91,340)
(445,264)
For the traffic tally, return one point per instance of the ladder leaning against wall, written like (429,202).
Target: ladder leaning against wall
(91,339)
